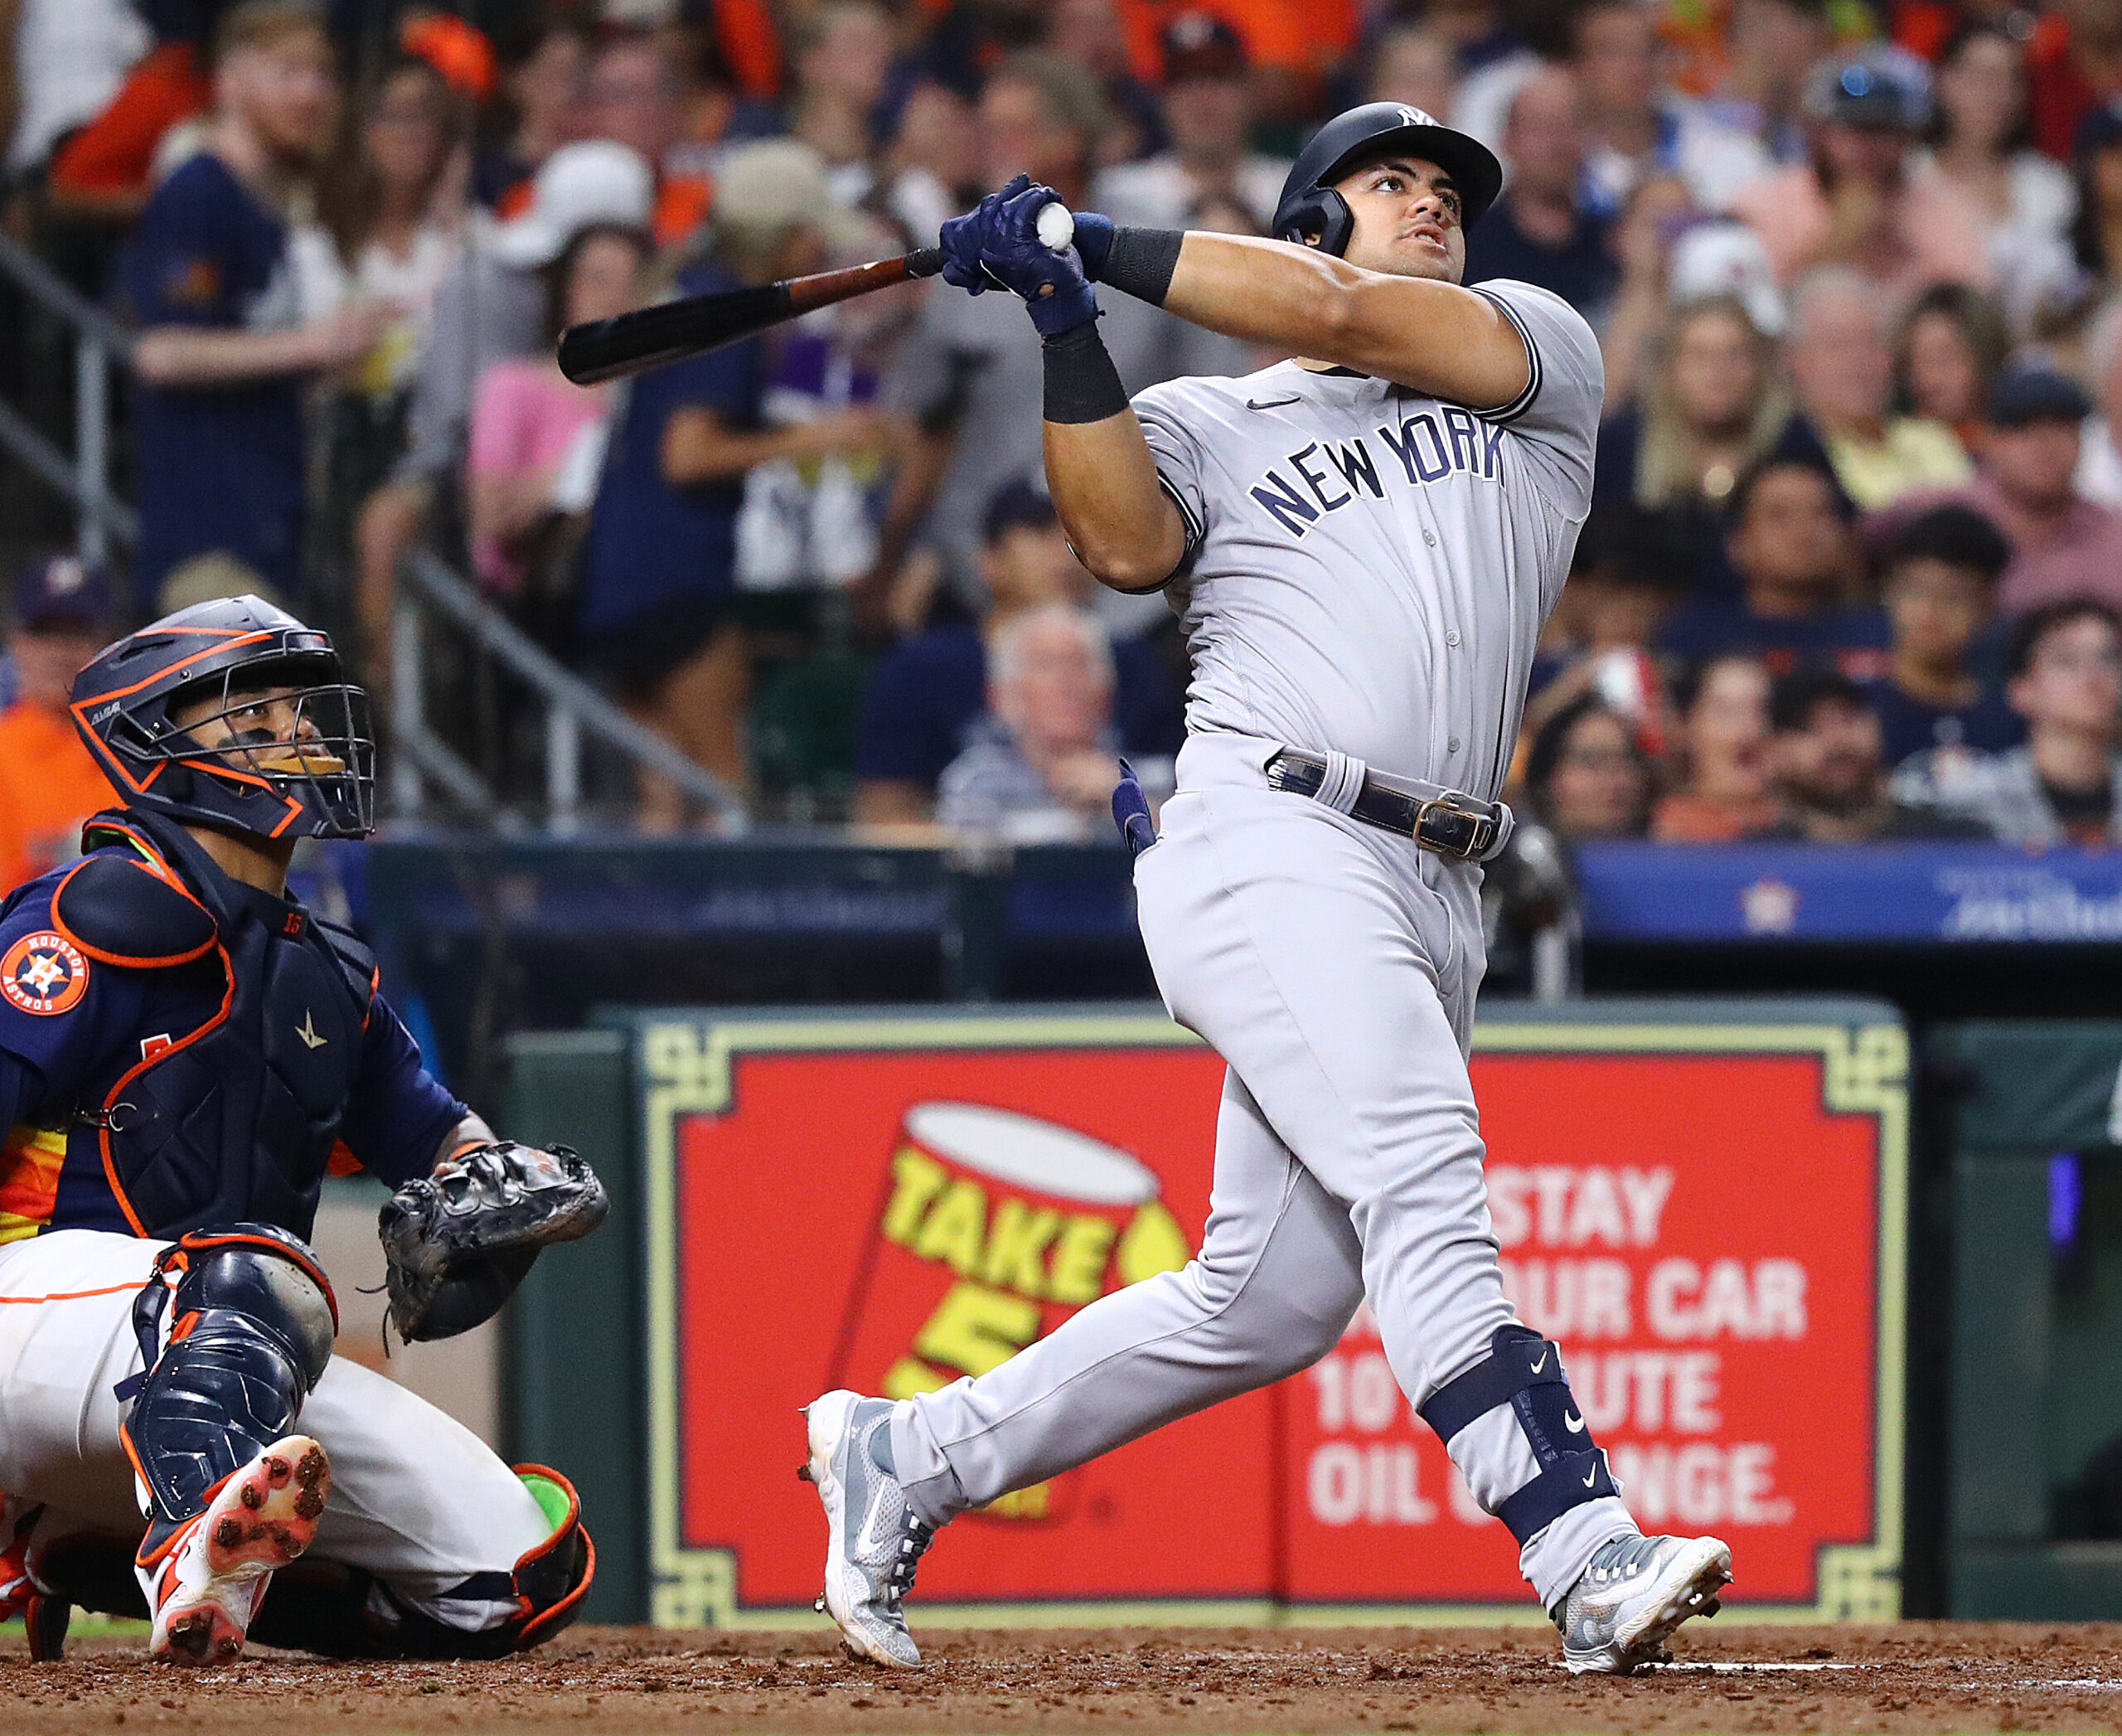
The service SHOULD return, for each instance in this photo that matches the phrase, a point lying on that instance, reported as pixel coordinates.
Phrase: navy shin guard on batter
(253, 1318)
(1524, 1370)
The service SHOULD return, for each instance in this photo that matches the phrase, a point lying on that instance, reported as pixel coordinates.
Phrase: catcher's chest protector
(235, 1119)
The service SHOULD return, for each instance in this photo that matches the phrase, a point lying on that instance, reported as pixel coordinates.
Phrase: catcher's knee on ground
(250, 1325)
(340, 1610)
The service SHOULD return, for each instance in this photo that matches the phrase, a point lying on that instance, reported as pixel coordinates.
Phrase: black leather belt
(1449, 821)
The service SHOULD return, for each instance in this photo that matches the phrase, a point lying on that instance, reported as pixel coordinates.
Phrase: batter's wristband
(1141, 262)
(1082, 384)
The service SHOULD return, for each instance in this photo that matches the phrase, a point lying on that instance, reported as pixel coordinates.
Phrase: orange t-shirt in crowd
(1302, 35)
(744, 31)
(48, 787)
(114, 153)
(1683, 818)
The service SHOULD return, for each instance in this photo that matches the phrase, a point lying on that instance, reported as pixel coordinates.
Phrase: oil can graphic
(993, 1228)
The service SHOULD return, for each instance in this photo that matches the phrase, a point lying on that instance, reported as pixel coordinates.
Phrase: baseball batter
(1364, 546)
(184, 1051)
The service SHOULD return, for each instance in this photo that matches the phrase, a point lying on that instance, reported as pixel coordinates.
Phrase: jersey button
(1453, 637)
(1430, 537)
(1452, 745)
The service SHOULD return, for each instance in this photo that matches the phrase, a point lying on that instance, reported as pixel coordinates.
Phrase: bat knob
(1056, 225)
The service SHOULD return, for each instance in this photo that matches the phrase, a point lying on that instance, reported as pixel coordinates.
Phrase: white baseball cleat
(207, 1580)
(1631, 1596)
(874, 1540)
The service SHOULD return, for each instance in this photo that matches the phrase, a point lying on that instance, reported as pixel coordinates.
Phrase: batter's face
(1408, 213)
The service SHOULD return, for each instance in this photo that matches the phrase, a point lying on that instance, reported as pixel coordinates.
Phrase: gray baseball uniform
(1371, 569)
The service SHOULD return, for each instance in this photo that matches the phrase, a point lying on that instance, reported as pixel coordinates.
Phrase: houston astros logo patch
(43, 973)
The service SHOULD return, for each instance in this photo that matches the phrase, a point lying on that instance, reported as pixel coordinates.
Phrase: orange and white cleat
(204, 1580)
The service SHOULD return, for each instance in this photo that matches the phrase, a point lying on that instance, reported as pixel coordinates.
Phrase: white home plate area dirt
(1914, 1675)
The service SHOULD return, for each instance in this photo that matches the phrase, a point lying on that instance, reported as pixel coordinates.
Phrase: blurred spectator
(63, 61)
(1538, 231)
(492, 307)
(1722, 795)
(1979, 158)
(1207, 109)
(2064, 676)
(925, 692)
(1851, 203)
(1842, 369)
(1634, 129)
(391, 210)
(659, 573)
(212, 578)
(104, 170)
(1711, 410)
(1587, 776)
(1089, 33)
(2096, 233)
(1825, 766)
(1413, 64)
(842, 56)
(1040, 767)
(1771, 45)
(2074, 56)
(932, 166)
(1792, 547)
(63, 615)
(542, 80)
(2062, 545)
(632, 96)
(1951, 347)
(969, 373)
(526, 417)
(2099, 461)
(1647, 242)
(1940, 592)
(223, 348)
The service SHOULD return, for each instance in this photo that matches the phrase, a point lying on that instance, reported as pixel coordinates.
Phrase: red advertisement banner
(1706, 1217)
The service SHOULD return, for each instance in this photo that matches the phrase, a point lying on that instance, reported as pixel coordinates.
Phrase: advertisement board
(1707, 1215)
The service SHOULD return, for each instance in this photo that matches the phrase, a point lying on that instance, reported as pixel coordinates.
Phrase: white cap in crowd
(597, 181)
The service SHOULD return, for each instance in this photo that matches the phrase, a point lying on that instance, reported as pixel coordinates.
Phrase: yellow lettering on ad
(1077, 1273)
(975, 1329)
(1152, 1243)
(1020, 1235)
(910, 1375)
(915, 1180)
(955, 1229)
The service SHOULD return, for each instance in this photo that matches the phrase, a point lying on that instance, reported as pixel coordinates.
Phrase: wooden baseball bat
(654, 337)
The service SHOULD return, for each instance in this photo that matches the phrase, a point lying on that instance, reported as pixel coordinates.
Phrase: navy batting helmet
(1311, 210)
(311, 774)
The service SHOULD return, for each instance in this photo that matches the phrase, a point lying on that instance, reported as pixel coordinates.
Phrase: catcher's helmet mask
(1312, 213)
(311, 776)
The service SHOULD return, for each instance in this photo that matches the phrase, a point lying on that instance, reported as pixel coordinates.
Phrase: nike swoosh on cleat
(1592, 1476)
(1573, 1422)
(1541, 1364)
(1274, 403)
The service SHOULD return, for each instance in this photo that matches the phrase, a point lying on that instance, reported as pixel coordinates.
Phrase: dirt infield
(1914, 1676)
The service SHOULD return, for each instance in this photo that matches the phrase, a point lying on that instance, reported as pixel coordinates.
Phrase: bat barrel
(652, 337)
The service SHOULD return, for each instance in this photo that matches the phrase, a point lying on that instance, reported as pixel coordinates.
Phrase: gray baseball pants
(1334, 967)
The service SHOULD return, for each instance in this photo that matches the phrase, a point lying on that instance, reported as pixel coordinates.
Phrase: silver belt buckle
(1450, 803)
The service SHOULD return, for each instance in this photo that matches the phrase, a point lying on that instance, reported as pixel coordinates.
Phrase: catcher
(185, 1053)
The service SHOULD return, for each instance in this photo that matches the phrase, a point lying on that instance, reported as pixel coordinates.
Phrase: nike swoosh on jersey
(1273, 403)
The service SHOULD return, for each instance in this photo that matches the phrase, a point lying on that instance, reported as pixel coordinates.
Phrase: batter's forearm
(1121, 525)
(1422, 332)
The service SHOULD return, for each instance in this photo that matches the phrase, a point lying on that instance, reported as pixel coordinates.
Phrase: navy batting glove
(1053, 284)
(1130, 811)
(1093, 241)
(962, 238)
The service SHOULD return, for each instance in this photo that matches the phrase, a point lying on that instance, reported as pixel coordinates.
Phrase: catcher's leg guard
(252, 1329)
(328, 1608)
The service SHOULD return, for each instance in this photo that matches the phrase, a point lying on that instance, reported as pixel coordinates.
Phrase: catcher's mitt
(459, 1241)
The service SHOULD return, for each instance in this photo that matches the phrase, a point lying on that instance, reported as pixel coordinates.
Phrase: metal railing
(574, 709)
(427, 588)
(101, 520)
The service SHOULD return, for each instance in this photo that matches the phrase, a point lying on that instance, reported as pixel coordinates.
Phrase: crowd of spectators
(1856, 545)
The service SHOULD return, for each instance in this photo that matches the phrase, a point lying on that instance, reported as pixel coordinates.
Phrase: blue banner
(1908, 892)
